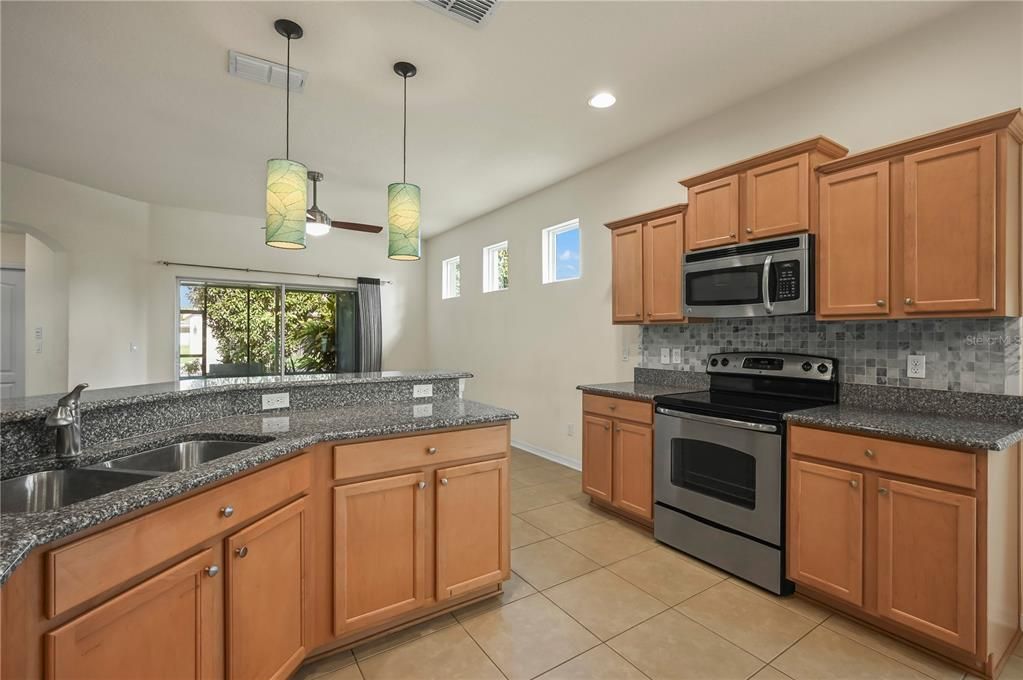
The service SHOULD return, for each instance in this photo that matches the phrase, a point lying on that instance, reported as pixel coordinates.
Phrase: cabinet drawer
(883, 455)
(626, 409)
(91, 566)
(390, 455)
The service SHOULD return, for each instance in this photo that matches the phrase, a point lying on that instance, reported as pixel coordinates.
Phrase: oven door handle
(727, 422)
(765, 285)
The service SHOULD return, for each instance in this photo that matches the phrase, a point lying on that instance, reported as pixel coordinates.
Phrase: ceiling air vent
(473, 12)
(263, 71)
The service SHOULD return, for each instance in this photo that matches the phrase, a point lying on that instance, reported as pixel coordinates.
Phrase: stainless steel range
(719, 460)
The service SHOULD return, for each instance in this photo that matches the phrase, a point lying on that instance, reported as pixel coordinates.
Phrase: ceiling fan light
(317, 222)
(285, 204)
(403, 207)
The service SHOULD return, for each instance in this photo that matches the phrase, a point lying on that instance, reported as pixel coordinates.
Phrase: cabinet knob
(868, 453)
(612, 407)
(749, 230)
(432, 450)
(444, 481)
(909, 301)
(607, 426)
(883, 491)
(242, 551)
(227, 511)
(880, 303)
(212, 570)
(853, 483)
(731, 235)
(421, 485)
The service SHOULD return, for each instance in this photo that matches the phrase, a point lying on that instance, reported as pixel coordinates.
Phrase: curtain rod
(166, 263)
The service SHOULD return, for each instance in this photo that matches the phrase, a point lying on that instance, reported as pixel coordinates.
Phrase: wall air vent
(263, 71)
(472, 12)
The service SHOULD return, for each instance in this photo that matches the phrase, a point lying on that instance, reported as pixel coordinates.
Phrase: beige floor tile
(1019, 648)
(665, 574)
(914, 658)
(523, 459)
(514, 589)
(796, 603)
(347, 673)
(549, 563)
(381, 644)
(538, 496)
(600, 663)
(1013, 669)
(608, 542)
(825, 655)
(538, 473)
(528, 637)
(671, 646)
(524, 533)
(563, 517)
(605, 603)
(324, 666)
(450, 653)
(769, 673)
(756, 624)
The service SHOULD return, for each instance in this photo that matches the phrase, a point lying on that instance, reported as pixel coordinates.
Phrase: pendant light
(317, 222)
(403, 241)
(285, 178)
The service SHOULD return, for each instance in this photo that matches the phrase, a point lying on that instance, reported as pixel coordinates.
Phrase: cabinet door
(473, 543)
(632, 490)
(627, 274)
(662, 268)
(379, 550)
(597, 447)
(927, 561)
(266, 602)
(853, 243)
(169, 627)
(712, 218)
(949, 232)
(777, 198)
(826, 529)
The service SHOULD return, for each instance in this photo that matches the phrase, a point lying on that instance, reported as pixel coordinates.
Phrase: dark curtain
(370, 332)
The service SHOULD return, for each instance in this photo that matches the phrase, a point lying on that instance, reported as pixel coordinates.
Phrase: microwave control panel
(786, 276)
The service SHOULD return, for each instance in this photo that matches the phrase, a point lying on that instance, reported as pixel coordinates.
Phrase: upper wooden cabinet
(646, 261)
(931, 223)
(768, 195)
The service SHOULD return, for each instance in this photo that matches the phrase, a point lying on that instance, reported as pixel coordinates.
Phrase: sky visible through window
(567, 259)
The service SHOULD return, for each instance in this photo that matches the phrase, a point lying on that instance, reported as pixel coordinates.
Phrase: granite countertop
(928, 428)
(36, 406)
(20, 533)
(631, 390)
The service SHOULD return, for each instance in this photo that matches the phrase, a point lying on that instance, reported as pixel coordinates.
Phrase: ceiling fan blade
(357, 226)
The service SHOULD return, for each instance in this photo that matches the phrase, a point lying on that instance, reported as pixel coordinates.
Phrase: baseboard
(549, 455)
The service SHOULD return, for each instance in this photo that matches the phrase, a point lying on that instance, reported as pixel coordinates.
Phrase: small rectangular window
(495, 267)
(562, 259)
(451, 278)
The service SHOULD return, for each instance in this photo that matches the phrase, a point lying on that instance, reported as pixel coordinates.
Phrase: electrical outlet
(570, 430)
(676, 355)
(916, 366)
(422, 410)
(276, 424)
(420, 391)
(276, 400)
(625, 352)
(665, 355)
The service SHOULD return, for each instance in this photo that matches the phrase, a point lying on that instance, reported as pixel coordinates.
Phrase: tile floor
(593, 598)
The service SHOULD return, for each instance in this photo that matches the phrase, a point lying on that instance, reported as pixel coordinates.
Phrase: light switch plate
(916, 366)
(419, 391)
(276, 400)
(665, 355)
(676, 355)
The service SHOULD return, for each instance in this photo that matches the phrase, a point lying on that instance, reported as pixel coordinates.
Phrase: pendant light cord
(287, 106)
(404, 126)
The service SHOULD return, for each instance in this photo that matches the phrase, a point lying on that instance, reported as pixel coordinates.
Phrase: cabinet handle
(731, 235)
(868, 453)
(444, 481)
(242, 551)
(421, 485)
(607, 426)
(432, 450)
(212, 570)
(749, 230)
(853, 483)
(909, 301)
(227, 511)
(880, 303)
(883, 491)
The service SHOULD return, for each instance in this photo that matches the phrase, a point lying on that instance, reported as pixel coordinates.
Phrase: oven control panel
(803, 366)
(786, 276)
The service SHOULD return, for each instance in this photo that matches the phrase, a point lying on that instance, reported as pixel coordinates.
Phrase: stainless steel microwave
(773, 277)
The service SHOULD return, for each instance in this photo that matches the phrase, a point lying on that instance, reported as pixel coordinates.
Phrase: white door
(12, 333)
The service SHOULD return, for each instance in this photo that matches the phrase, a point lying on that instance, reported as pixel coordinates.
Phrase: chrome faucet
(67, 418)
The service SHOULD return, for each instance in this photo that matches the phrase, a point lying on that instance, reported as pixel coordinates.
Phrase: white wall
(46, 309)
(531, 345)
(117, 297)
(12, 250)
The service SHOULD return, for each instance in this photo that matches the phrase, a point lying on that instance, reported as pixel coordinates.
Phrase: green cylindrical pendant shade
(285, 203)
(402, 221)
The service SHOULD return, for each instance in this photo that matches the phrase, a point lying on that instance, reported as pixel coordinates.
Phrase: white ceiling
(134, 98)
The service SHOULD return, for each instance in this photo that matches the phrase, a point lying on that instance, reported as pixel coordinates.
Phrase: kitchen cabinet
(266, 599)
(940, 234)
(473, 524)
(917, 540)
(164, 628)
(618, 455)
(766, 196)
(379, 550)
(646, 261)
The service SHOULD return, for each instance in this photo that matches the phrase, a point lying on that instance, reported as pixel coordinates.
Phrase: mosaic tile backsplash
(963, 355)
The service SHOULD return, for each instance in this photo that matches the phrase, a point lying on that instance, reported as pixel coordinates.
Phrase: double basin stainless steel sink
(53, 489)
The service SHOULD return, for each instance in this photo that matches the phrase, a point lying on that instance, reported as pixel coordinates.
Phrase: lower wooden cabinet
(266, 598)
(165, 628)
(633, 490)
(598, 445)
(618, 454)
(379, 550)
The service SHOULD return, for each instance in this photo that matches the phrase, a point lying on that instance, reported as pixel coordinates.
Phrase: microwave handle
(765, 285)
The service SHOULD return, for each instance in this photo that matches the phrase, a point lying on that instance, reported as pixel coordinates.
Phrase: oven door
(720, 470)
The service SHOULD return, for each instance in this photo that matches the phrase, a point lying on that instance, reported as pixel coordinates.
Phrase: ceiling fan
(319, 223)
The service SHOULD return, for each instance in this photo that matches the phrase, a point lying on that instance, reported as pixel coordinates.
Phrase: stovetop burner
(737, 404)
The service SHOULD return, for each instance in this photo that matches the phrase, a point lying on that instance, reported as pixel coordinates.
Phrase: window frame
(446, 281)
(490, 269)
(549, 252)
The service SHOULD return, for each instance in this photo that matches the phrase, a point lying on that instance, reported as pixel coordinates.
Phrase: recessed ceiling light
(602, 100)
